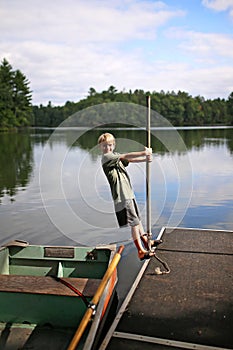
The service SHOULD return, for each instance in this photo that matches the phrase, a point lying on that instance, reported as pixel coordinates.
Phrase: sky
(65, 47)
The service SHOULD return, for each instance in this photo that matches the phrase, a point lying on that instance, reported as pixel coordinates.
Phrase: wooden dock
(189, 308)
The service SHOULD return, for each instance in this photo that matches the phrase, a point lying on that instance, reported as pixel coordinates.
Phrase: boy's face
(107, 147)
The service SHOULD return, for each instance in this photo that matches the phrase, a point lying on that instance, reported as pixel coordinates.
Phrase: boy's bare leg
(144, 237)
(135, 231)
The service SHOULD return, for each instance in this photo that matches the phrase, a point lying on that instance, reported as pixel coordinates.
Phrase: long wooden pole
(148, 175)
(87, 316)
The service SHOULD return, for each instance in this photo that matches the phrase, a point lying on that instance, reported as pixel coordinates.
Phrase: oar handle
(83, 324)
(107, 275)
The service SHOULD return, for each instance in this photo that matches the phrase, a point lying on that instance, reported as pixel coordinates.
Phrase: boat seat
(47, 285)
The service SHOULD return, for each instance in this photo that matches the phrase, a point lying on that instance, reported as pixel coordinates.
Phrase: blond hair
(106, 137)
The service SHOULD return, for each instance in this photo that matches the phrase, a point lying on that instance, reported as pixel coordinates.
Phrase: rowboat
(46, 291)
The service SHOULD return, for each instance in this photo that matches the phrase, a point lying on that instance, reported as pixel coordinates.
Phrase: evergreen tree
(15, 97)
(22, 99)
(6, 94)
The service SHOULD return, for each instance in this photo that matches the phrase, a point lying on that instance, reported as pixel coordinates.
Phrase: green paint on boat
(30, 293)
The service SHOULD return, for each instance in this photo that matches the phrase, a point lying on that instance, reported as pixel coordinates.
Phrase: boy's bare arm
(141, 156)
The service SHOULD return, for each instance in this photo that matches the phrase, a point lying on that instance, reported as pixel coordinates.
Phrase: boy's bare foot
(144, 256)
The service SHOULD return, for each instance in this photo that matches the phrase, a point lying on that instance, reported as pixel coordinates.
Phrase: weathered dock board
(189, 308)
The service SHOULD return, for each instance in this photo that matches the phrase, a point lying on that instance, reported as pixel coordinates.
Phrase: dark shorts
(127, 213)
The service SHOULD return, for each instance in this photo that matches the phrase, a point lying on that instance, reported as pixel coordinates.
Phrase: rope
(167, 268)
(165, 265)
(75, 290)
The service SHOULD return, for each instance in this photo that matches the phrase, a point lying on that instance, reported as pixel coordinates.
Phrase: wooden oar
(86, 318)
(148, 177)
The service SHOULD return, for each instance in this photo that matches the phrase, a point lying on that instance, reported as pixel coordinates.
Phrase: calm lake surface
(53, 190)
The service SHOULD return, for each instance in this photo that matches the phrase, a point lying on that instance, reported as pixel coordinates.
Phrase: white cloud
(66, 47)
(81, 21)
(209, 62)
(212, 45)
(219, 5)
(207, 82)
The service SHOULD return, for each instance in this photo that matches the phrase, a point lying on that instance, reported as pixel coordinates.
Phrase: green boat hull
(32, 294)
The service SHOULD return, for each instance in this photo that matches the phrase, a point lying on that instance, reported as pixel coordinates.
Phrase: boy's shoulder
(110, 158)
(111, 155)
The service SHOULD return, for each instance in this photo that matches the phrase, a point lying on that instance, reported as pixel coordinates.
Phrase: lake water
(53, 190)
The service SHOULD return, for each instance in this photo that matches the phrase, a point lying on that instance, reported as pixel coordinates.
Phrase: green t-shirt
(117, 176)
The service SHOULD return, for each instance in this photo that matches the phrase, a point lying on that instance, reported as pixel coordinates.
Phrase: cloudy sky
(64, 47)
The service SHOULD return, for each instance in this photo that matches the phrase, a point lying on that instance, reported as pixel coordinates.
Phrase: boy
(122, 193)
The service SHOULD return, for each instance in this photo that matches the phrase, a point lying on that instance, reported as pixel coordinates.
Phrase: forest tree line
(180, 109)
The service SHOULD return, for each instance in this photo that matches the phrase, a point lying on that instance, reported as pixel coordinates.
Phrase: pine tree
(15, 97)
(6, 94)
(21, 99)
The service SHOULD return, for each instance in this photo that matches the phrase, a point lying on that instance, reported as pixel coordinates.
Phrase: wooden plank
(14, 337)
(47, 285)
(23, 336)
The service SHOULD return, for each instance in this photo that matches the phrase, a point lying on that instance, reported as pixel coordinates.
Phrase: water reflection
(211, 205)
(16, 163)
(198, 138)
(193, 138)
(209, 150)
(17, 160)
